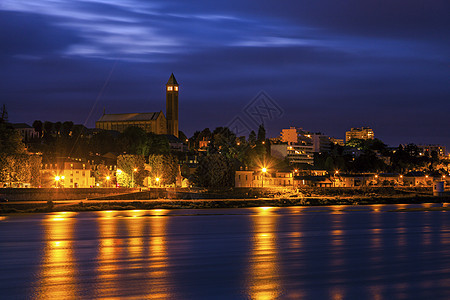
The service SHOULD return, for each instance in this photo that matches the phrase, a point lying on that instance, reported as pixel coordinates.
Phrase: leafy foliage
(127, 164)
(215, 171)
(164, 167)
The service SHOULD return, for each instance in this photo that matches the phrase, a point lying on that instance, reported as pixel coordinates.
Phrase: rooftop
(20, 125)
(172, 80)
(129, 117)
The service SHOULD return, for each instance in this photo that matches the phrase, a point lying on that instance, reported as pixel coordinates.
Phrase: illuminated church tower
(172, 106)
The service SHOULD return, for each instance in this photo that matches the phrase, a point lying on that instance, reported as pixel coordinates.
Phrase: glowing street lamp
(107, 181)
(57, 179)
(264, 171)
(157, 180)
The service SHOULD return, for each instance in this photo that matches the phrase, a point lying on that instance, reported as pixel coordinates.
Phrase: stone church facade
(154, 122)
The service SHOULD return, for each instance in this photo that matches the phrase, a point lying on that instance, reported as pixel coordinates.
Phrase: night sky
(327, 65)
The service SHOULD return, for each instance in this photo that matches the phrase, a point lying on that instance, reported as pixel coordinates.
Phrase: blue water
(339, 252)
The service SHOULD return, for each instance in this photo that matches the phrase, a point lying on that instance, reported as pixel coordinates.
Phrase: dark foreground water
(359, 252)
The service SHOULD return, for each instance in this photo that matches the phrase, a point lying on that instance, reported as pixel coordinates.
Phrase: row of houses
(321, 178)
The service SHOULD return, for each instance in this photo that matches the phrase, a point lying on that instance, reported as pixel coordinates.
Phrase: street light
(57, 179)
(157, 180)
(107, 181)
(264, 171)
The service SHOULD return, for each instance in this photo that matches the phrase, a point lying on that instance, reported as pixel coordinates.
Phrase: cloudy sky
(325, 65)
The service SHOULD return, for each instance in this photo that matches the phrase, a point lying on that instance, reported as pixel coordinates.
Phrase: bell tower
(172, 106)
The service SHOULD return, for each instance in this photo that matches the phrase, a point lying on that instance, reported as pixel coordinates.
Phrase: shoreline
(101, 205)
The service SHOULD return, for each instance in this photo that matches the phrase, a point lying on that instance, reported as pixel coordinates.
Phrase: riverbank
(98, 205)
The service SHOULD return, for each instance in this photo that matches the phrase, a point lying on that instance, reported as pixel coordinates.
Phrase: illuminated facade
(68, 173)
(295, 153)
(363, 133)
(150, 122)
(255, 178)
(297, 136)
(154, 122)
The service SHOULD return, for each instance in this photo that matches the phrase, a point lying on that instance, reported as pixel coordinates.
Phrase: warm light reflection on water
(158, 261)
(107, 254)
(337, 293)
(337, 241)
(144, 248)
(57, 272)
(288, 253)
(264, 276)
(135, 241)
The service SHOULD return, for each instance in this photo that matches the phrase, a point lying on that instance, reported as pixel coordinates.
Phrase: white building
(295, 153)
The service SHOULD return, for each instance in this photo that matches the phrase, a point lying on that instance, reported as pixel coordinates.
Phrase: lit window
(176, 88)
(169, 88)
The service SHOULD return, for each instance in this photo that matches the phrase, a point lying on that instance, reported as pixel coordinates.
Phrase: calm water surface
(342, 252)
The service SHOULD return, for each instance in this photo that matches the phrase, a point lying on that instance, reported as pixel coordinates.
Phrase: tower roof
(172, 80)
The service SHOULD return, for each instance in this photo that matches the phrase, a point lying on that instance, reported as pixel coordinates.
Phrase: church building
(154, 122)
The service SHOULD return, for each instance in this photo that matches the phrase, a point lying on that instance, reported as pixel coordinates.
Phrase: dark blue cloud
(330, 65)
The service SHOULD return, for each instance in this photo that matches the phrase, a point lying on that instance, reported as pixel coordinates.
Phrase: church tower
(172, 106)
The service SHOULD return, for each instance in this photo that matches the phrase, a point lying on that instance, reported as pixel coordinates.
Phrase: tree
(66, 128)
(103, 142)
(215, 171)
(101, 175)
(38, 126)
(35, 168)
(164, 167)
(48, 126)
(57, 126)
(134, 141)
(127, 164)
(157, 144)
(261, 133)
(10, 140)
(4, 115)
(224, 139)
(252, 138)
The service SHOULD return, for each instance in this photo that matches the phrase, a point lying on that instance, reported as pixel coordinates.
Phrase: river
(333, 252)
